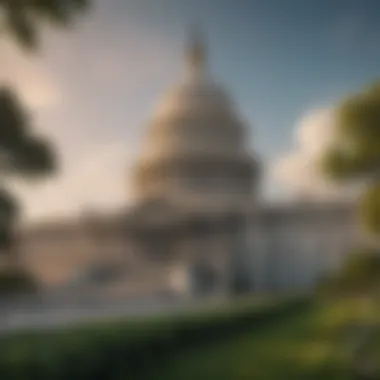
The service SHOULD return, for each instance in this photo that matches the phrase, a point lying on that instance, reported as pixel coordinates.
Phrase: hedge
(15, 281)
(126, 350)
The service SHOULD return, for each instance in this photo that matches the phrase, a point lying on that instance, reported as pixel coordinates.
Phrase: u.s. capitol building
(196, 225)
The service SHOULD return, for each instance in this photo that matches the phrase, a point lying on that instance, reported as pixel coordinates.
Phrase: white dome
(195, 140)
(195, 92)
(194, 95)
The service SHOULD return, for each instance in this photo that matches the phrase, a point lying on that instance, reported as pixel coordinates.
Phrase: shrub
(16, 281)
(241, 285)
(126, 350)
(360, 274)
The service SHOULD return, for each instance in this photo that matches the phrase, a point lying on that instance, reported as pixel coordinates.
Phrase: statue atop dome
(195, 53)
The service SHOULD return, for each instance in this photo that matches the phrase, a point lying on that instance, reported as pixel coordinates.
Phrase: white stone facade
(286, 248)
(195, 185)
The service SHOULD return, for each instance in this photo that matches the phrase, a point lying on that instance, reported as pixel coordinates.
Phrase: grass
(127, 349)
(310, 345)
(249, 340)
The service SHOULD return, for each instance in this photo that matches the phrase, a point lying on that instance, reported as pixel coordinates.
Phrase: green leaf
(34, 158)
(13, 119)
(355, 155)
(370, 208)
(21, 154)
(24, 19)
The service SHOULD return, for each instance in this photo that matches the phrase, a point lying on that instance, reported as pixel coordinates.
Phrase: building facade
(196, 226)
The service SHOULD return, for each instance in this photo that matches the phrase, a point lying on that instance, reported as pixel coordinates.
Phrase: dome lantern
(195, 54)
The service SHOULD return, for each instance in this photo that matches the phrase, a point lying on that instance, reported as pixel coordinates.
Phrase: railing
(49, 310)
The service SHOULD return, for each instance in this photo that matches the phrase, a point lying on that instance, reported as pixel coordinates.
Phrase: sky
(91, 89)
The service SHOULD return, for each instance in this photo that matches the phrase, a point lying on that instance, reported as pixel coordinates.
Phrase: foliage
(129, 350)
(369, 208)
(355, 155)
(24, 19)
(16, 281)
(309, 344)
(8, 216)
(360, 274)
(362, 271)
(23, 155)
(305, 340)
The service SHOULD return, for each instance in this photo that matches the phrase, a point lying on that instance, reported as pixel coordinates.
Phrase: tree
(355, 156)
(23, 19)
(359, 275)
(361, 272)
(23, 155)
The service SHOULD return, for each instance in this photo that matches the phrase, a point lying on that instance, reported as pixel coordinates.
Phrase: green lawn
(287, 339)
(122, 349)
(314, 344)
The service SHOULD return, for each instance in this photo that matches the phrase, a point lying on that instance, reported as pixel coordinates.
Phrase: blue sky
(92, 89)
(278, 58)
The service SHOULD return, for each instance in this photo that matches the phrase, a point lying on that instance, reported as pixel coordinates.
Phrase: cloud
(315, 131)
(298, 172)
(89, 90)
(98, 179)
(30, 76)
